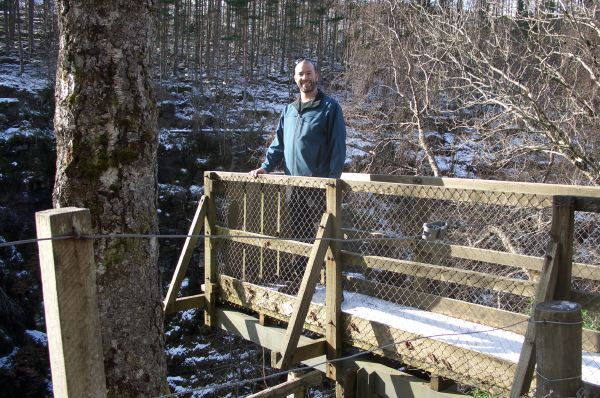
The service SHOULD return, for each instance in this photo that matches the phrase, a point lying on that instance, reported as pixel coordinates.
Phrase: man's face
(306, 77)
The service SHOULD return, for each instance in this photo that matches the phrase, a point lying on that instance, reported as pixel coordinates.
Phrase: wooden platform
(460, 350)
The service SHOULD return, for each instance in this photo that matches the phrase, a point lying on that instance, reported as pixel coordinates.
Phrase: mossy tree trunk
(106, 135)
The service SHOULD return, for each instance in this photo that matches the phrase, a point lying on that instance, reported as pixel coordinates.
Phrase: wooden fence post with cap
(68, 276)
(558, 348)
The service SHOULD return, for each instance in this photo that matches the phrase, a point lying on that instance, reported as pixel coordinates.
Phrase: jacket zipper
(298, 122)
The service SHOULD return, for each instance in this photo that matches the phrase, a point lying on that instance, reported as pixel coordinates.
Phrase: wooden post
(210, 255)
(562, 232)
(333, 278)
(558, 348)
(68, 276)
(545, 292)
(347, 389)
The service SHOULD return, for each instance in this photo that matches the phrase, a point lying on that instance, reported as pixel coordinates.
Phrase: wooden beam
(306, 291)
(333, 278)
(304, 351)
(465, 183)
(561, 231)
(466, 195)
(185, 303)
(265, 241)
(273, 179)
(299, 382)
(68, 275)
(186, 254)
(210, 250)
(546, 290)
(441, 273)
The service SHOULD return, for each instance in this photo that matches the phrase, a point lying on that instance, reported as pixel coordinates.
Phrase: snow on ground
(39, 337)
(469, 335)
(6, 362)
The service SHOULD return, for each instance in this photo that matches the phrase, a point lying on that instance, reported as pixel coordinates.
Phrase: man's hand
(255, 173)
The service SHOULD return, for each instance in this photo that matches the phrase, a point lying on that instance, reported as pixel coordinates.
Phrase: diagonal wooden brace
(307, 289)
(545, 292)
(186, 255)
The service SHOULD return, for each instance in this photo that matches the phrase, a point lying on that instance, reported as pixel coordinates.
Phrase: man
(311, 141)
(311, 134)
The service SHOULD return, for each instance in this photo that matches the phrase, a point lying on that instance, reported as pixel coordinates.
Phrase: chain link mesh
(426, 260)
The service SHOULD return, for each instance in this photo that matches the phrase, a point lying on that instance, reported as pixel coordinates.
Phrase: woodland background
(479, 89)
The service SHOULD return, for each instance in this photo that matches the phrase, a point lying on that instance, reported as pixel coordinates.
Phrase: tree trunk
(30, 29)
(106, 135)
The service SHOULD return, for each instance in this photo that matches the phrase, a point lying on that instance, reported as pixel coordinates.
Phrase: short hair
(304, 59)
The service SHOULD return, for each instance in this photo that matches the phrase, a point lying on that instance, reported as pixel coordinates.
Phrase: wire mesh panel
(446, 262)
(441, 278)
(586, 285)
(280, 222)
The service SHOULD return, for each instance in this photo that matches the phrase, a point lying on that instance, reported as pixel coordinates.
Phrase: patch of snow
(196, 190)
(38, 337)
(469, 335)
(9, 100)
(177, 351)
(188, 315)
(6, 362)
(201, 346)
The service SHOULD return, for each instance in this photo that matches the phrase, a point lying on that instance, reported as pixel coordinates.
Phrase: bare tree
(523, 85)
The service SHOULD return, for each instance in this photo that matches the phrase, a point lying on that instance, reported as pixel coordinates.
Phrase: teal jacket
(311, 142)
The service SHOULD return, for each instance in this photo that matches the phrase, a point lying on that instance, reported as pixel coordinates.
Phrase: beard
(308, 86)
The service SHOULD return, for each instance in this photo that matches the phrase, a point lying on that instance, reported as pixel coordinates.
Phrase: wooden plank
(445, 250)
(186, 254)
(270, 242)
(306, 291)
(305, 351)
(507, 186)
(68, 275)
(273, 179)
(480, 196)
(299, 382)
(444, 274)
(546, 290)
(185, 303)
(533, 263)
(272, 303)
(210, 251)
(333, 278)
(561, 232)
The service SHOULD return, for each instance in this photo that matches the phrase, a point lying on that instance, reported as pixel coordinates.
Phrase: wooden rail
(434, 261)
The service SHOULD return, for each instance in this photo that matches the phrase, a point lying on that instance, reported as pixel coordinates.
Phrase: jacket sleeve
(275, 152)
(337, 143)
